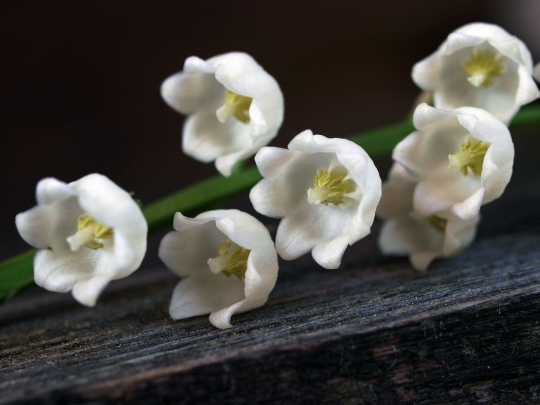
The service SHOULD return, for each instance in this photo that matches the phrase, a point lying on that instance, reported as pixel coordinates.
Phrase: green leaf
(196, 198)
(16, 274)
(139, 203)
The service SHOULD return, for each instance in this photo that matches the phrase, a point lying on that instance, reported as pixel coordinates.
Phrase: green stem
(17, 273)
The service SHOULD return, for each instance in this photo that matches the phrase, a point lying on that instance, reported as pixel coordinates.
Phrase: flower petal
(188, 250)
(59, 271)
(33, 226)
(87, 291)
(183, 252)
(421, 260)
(49, 225)
(222, 319)
(187, 93)
(55, 220)
(537, 72)
(200, 90)
(329, 254)
(50, 190)
(326, 228)
(199, 295)
(439, 193)
(443, 72)
(423, 238)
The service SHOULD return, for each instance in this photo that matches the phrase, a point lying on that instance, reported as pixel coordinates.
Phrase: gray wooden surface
(467, 331)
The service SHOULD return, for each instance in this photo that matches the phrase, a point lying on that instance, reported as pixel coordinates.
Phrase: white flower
(479, 65)
(235, 107)
(463, 159)
(326, 191)
(229, 262)
(90, 232)
(537, 72)
(422, 238)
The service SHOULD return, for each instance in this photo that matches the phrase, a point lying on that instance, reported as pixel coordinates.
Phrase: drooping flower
(235, 107)
(537, 72)
(423, 239)
(326, 190)
(229, 263)
(89, 232)
(479, 65)
(463, 159)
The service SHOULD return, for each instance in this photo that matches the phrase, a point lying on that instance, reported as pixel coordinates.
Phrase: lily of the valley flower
(462, 157)
(229, 262)
(89, 232)
(326, 190)
(479, 65)
(235, 107)
(424, 239)
(537, 72)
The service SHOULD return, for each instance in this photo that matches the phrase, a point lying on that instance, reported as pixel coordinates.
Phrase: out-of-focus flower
(537, 72)
(235, 107)
(229, 262)
(463, 159)
(440, 235)
(479, 65)
(326, 190)
(89, 232)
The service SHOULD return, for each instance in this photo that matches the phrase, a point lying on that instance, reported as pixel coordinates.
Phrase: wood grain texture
(467, 331)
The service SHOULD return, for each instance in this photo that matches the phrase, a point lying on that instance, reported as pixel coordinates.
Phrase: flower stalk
(16, 273)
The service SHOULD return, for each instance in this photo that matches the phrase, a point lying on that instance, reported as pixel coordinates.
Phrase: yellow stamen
(236, 106)
(483, 68)
(231, 261)
(470, 157)
(437, 222)
(329, 188)
(88, 231)
(434, 221)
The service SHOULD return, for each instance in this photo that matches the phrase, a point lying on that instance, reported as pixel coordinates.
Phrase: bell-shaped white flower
(462, 157)
(229, 263)
(89, 232)
(537, 72)
(423, 239)
(479, 65)
(326, 190)
(235, 107)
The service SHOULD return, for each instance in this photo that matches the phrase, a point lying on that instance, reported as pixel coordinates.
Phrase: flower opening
(329, 188)
(231, 261)
(65, 220)
(341, 172)
(422, 237)
(247, 252)
(483, 68)
(236, 106)
(437, 222)
(469, 157)
(90, 233)
(493, 71)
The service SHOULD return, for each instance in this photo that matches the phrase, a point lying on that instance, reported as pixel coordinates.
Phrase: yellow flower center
(436, 222)
(483, 68)
(90, 233)
(231, 260)
(470, 157)
(329, 188)
(236, 106)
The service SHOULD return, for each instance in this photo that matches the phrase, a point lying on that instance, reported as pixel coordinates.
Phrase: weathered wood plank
(375, 331)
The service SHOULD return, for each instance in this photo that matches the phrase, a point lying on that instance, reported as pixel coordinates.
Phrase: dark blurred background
(79, 80)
